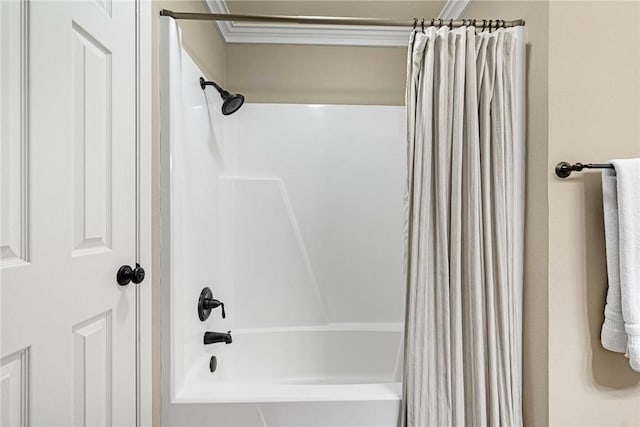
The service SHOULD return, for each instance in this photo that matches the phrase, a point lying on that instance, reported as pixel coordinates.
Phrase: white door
(68, 213)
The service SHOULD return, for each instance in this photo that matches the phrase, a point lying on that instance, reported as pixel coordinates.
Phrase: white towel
(613, 336)
(621, 197)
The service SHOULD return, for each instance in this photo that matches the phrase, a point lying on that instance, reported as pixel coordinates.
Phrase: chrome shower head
(231, 102)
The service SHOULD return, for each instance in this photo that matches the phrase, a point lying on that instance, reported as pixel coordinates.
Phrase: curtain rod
(340, 20)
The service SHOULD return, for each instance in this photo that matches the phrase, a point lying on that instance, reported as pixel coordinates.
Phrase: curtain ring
(415, 23)
(484, 24)
(432, 22)
(474, 22)
(439, 23)
(451, 24)
(422, 25)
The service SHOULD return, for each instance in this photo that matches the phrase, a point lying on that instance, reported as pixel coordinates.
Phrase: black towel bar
(564, 169)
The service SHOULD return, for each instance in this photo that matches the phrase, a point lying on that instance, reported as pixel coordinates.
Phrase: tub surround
(293, 216)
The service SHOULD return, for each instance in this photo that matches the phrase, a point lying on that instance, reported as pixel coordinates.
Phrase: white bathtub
(340, 362)
(331, 376)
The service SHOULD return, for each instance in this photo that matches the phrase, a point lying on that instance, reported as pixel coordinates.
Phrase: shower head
(232, 104)
(231, 101)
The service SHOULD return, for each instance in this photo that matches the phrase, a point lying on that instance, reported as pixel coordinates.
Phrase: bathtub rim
(200, 391)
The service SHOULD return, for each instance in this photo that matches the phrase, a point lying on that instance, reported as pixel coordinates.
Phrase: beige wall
(206, 46)
(594, 111)
(317, 74)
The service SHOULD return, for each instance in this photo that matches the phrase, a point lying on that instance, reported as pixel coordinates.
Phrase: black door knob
(127, 274)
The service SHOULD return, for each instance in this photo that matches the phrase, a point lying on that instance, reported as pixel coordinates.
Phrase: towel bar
(564, 169)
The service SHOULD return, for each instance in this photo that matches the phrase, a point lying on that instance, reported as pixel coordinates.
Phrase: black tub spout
(214, 337)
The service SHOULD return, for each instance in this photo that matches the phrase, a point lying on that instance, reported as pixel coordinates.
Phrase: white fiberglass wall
(316, 211)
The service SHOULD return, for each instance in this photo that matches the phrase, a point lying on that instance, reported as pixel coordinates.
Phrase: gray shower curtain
(465, 213)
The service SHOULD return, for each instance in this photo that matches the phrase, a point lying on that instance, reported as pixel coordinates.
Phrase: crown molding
(220, 6)
(336, 35)
(454, 9)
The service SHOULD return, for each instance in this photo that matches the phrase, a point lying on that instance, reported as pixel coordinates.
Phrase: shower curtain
(464, 229)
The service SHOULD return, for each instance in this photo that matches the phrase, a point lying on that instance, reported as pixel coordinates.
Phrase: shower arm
(204, 83)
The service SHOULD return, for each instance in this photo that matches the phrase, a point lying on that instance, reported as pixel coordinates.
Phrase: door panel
(13, 134)
(62, 310)
(14, 389)
(92, 167)
(92, 352)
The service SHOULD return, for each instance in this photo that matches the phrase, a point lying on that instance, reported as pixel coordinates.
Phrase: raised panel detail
(92, 96)
(92, 370)
(13, 133)
(14, 383)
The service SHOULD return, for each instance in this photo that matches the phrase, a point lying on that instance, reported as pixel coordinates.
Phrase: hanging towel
(621, 197)
(613, 336)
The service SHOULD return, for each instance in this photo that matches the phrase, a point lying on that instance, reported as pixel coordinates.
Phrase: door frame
(143, 212)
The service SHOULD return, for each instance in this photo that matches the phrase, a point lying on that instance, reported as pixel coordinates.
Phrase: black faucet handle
(214, 303)
(206, 303)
